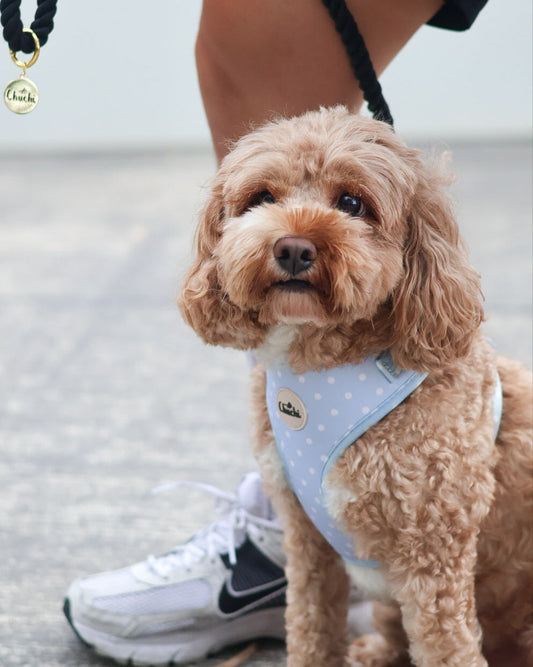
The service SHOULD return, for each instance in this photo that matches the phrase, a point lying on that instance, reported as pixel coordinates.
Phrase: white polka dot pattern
(341, 404)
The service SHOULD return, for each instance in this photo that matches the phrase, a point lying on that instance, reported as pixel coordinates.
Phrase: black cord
(359, 59)
(345, 24)
(42, 25)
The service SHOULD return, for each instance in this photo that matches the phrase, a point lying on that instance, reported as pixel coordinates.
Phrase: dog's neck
(308, 347)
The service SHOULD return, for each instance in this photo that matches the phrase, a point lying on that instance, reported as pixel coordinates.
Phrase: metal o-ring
(35, 55)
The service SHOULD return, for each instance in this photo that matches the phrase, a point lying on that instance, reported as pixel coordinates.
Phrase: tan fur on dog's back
(504, 579)
(445, 509)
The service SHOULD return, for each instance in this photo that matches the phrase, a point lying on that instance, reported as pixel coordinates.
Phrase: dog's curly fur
(427, 492)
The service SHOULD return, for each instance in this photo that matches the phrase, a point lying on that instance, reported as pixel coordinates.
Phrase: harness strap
(497, 407)
(317, 415)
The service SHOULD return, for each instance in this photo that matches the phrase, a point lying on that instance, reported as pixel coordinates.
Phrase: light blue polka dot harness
(316, 416)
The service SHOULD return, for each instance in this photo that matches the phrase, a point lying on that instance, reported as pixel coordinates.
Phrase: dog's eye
(263, 197)
(351, 204)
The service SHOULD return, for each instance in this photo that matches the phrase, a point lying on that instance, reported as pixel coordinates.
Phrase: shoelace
(217, 538)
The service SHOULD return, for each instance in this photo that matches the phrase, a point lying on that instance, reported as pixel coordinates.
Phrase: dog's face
(310, 236)
(329, 223)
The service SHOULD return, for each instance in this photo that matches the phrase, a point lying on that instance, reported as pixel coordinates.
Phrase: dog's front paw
(374, 651)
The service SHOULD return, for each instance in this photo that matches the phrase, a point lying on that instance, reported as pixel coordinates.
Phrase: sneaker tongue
(252, 497)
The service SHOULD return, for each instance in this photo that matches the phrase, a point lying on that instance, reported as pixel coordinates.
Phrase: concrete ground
(105, 393)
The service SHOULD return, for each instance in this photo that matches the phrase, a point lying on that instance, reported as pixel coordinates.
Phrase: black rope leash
(42, 25)
(29, 41)
(22, 95)
(360, 59)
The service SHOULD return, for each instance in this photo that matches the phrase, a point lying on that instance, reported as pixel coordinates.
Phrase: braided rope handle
(359, 59)
(42, 25)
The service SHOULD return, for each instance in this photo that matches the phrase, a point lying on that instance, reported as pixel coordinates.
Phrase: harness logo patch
(291, 409)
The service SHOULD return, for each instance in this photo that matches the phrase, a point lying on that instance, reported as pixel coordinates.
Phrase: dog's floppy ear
(437, 306)
(202, 300)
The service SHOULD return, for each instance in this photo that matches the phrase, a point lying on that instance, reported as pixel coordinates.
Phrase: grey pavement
(105, 393)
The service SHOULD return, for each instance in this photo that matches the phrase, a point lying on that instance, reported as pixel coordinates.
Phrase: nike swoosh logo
(231, 602)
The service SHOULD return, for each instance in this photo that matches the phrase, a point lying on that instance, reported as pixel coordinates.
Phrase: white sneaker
(225, 586)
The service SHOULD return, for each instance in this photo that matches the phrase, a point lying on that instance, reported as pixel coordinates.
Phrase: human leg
(258, 59)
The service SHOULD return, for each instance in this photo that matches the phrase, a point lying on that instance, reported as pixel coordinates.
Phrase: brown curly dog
(325, 242)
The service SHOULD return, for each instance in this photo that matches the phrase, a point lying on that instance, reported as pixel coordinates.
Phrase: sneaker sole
(177, 648)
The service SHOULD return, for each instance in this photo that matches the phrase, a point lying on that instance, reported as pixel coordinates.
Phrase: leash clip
(22, 95)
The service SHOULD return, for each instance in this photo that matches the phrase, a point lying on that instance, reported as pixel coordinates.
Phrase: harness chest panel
(317, 415)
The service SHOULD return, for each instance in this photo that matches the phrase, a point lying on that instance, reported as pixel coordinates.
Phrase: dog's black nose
(294, 254)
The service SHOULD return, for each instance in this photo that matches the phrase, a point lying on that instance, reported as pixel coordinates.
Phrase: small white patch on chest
(370, 581)
(275, 349)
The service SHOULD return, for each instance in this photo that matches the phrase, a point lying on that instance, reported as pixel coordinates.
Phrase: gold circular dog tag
(21, 95)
